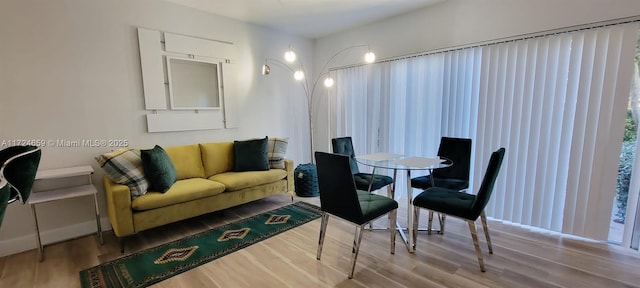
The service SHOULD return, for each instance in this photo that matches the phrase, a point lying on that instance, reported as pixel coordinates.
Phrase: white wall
(460, 22)
(70, 70)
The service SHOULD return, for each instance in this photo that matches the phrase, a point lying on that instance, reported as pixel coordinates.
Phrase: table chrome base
(405, 238)
(403, 235)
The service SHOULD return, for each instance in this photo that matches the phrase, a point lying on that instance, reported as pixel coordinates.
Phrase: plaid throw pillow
(277, 148)
(124, 166)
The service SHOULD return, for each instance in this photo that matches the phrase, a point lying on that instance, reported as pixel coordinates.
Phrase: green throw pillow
(158, 169)
(251, 155)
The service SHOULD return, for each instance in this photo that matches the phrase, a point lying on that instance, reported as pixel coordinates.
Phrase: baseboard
(28, 242)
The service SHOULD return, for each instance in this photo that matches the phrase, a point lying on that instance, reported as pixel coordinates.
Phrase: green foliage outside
(627, 155)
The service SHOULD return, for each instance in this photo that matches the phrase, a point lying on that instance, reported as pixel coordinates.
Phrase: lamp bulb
(369, 57)
(290, 56)
(298, 75)
(328, 82)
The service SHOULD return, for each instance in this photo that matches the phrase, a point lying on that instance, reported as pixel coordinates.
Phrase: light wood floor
(521, 258)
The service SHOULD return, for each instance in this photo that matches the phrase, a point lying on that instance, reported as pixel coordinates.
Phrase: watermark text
(65, 143)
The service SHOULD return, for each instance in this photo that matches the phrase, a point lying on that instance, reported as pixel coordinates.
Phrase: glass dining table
(397, 162)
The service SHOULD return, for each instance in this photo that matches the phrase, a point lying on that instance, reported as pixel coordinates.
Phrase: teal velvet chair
(455, 177)
(17, 174)
(4, 197)
(339, 197)
(344, 146)
(462, 205)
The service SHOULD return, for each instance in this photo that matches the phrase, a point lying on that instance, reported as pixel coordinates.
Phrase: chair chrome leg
(392, 227)
(476, 244)
(356, 248)
(416, 218)
(483, 217)
(430, 224)
(323, 231)
(442, 218)
(393, 185)
(390, 195)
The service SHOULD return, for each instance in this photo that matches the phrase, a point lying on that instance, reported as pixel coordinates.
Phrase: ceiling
(308, 18)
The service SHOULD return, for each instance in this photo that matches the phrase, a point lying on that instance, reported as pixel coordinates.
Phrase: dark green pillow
(251, 155)
(158, 168)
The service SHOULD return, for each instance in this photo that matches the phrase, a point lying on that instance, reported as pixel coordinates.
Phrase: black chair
(459, 204)
(5, 191)
(17, 173)
(364, 181)
(455, 177)
(339, 197)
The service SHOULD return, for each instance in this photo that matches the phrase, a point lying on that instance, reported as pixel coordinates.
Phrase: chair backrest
(5, 190)
(486, 188)
(19, 167)
(338, 194)
(344, 146)
(457, 150)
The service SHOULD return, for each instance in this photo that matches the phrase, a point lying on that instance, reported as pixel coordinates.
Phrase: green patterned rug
(156, 264)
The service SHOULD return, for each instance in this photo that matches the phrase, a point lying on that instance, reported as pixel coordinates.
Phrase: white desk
(64, 193)
(397, 162)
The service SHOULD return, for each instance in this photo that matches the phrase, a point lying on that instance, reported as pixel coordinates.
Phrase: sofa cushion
(181, 191)
(251, 155)
(158, 169)
(239, 180)
(124, 166)
(276, 151)
(187, 161)
(217, 157)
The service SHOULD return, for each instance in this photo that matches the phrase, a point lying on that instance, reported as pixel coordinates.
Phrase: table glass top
(400, 162)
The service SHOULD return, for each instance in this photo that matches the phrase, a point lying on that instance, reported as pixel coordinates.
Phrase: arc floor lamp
(294, 65)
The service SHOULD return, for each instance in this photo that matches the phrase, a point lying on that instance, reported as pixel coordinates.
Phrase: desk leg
(39, 242)
(98, 225)
(412, 243)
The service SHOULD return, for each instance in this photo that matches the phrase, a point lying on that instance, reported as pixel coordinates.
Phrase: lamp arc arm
(304, 84)
(315, 83)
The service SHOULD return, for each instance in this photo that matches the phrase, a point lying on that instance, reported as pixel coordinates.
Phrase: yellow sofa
(206, 183)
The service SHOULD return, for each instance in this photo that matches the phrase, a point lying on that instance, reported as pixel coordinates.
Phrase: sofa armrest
(119, 207)
(288, 166)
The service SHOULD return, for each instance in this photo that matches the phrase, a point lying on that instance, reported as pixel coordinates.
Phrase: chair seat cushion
(364, 179)
(424, 182)
(447, 201)
(240, 180)
(374, 206)
(181, 191)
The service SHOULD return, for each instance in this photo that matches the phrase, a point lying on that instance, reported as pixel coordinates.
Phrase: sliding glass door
(625, 224)
(556, 103)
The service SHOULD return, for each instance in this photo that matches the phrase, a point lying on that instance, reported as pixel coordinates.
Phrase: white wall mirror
(193, 84)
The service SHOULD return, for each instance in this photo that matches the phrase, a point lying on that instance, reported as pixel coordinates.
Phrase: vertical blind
(557, 103)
